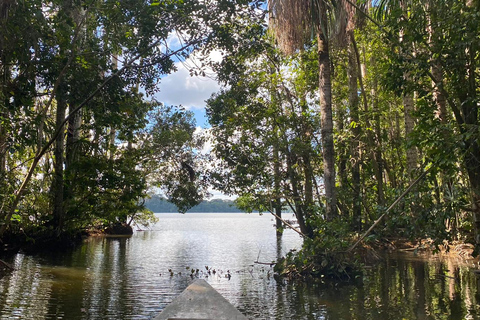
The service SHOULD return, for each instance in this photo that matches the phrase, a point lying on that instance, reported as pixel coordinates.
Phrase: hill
(160, 204)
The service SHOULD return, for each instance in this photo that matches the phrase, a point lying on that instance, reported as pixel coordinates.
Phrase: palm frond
(292, 22)
(383, 7)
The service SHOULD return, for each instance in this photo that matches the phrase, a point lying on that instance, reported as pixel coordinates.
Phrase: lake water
(129, 277)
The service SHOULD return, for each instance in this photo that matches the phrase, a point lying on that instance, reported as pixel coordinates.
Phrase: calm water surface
(129, 278)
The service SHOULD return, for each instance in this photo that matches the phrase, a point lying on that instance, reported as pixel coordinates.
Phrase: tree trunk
(73, 137)
(308, 185)
(3, 172)
(472, 150)
(305, 154)
(300, 212)
(409, 108)
(277, 181)
(353, 75)
(3, 152)
(341, 152)
(4, 193)
(325, 88)
(378, 146)
(476, 219)
(472, 164)
(469, 97)
(59, 161)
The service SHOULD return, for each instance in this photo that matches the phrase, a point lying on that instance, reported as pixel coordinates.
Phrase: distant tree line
(160, 204)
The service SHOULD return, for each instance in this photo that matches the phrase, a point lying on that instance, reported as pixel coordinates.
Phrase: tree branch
(389, 208)
(289, 225)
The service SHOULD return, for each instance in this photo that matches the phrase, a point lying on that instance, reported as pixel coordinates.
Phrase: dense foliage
(81, 138)
(404, 88)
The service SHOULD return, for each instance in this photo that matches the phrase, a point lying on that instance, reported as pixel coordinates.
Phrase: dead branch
(7, 265)
(288, 225)
(389, 208)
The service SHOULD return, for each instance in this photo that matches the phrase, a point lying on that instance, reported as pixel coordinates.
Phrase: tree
(292, 24)
(264, 125)
(444, 56)
(72, 78)
(173, 157)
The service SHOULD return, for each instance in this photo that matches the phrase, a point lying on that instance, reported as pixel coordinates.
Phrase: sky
(179, 88)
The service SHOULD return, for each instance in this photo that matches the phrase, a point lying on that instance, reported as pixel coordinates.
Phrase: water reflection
(128, 278)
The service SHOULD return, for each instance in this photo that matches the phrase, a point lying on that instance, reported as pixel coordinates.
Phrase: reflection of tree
(420, 311)
(23, 292)
(108, 282)
(114, 278)
(415, 289)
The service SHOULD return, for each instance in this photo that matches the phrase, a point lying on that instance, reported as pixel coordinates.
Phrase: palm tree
(293, 23)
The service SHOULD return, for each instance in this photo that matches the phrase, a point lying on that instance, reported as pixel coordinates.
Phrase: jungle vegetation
(331, 108)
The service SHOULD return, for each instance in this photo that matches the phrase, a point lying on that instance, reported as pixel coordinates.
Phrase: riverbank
(34, 241)
(314, 264)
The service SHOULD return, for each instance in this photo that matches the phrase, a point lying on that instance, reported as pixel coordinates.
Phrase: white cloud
(180, 88)
(219, 195)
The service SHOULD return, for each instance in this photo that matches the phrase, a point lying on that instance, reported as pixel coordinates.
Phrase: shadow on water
(128, 278)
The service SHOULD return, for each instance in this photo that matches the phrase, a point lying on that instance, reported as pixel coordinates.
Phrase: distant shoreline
(160, 204)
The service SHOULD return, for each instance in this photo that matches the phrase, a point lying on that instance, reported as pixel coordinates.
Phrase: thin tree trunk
(305, 138)
(353, 75)
(409, 108)
(277, 181)
(59, 161)
(342, 162)
(3, 151)
(325, 88)
(3, 172)
(308, 185)
(472, 148)
(471, 119)
(5, 74)
(439, 97)
(472, 164)
(73, 137)
(113, 131)
(299, 206)
(378, 146)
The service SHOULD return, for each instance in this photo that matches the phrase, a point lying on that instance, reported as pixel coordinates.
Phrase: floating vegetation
(210, 273)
